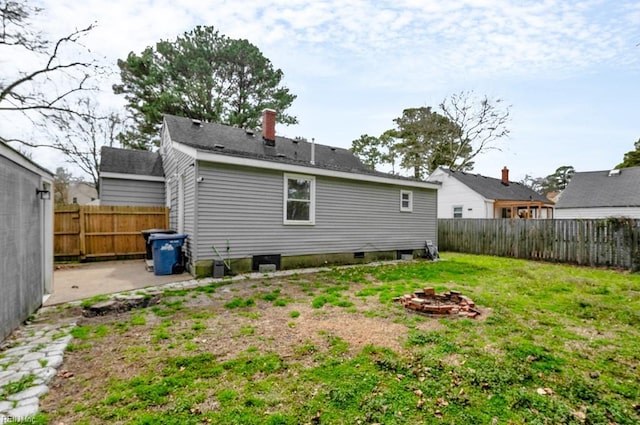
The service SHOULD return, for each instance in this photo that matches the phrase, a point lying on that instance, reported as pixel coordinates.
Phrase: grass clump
(239, 302)
(89, 332)
(17, 386)
(138, 320)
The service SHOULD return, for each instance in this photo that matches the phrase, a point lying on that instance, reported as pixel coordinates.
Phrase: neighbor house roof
(227, 140)
(491, 188)
(616, 188)
(129, 161)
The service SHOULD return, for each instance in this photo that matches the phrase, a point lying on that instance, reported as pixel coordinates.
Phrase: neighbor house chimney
(269, 126)
(505, 176)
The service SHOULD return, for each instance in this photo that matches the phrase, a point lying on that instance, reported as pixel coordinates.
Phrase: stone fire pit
(450, 303)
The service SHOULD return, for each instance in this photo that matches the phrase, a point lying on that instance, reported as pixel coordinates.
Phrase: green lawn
(556, 345)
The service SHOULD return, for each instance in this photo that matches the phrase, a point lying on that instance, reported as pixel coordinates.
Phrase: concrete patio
(79, 281)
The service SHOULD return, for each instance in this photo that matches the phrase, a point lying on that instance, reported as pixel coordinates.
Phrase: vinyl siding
(177, 164)
(242, 208)
(131, 192)
(631, 212)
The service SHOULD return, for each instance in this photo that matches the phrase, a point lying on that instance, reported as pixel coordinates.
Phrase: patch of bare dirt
(204, 325)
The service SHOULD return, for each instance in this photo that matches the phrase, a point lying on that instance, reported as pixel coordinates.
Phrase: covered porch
(523, 209)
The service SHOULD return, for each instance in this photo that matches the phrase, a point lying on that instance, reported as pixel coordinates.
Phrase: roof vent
(614, 173)
(219, 146)
(333, 149)
(196, 122)
(249, 131)
(281, 155)
(296, 141)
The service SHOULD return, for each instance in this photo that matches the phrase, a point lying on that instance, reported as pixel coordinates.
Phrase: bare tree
(481, 122)
(81, 136)
(46, 89)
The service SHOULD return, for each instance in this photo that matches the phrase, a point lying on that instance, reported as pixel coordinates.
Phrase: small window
(406, 200)
(457, 212)
(75, 200)
(299, 199)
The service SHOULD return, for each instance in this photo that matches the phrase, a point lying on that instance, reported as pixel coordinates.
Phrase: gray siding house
(250, 199)
(26, 235)
(601, 194)
(131, 177)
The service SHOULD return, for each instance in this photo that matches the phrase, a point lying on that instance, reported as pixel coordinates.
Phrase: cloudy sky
(570, 69)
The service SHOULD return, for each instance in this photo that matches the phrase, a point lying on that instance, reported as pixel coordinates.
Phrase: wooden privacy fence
(612, 242)
(94, 232)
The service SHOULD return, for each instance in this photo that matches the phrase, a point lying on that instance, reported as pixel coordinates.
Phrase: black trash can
(149, 232)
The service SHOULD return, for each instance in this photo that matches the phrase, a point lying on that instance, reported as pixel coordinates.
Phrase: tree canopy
(560, 178)
(554, 182)
(427, 140)
(631, 158)
(423, 139)
(202, 75)
(374, 151)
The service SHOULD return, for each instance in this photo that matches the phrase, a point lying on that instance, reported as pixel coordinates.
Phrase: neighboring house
(80, 193)
(466, 195)
(600, 194)
(26, 237)
(260, 199)
(131, 177)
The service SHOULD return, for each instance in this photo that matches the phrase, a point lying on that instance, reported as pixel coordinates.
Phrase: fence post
(114, 222)
(83, 246)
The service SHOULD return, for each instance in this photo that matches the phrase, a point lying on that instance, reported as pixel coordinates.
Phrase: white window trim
(453, 211)
(410, 207)
(312, 203)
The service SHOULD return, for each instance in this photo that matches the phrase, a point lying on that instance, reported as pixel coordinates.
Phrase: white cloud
(392, 51)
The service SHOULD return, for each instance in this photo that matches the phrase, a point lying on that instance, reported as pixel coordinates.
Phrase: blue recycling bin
(167, 253)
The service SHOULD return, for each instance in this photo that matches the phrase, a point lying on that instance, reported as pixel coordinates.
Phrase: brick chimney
(505, 176)
(269, 127)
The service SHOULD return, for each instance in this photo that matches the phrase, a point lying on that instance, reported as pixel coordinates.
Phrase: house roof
(491, 188)
(227, 140)
(129, 161)
(600, 189)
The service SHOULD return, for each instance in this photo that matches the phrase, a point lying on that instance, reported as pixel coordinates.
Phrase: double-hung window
(406, 201)
(299, 199)
(457, 212)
